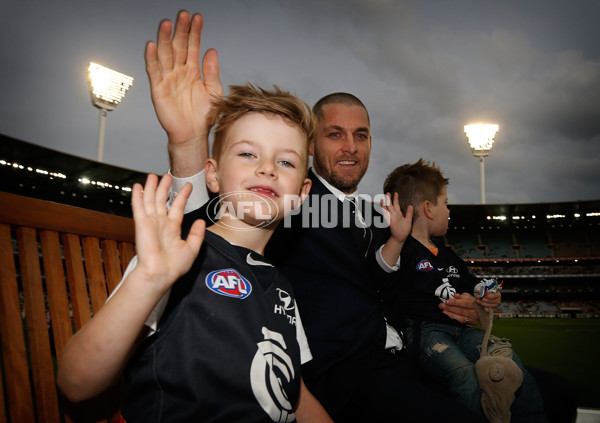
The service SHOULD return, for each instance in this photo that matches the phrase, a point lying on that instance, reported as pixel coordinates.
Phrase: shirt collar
(339, 194)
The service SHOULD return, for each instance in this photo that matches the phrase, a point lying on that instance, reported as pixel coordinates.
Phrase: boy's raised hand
(94, 357)
(180, 94)
(162, 255)
(400, 225)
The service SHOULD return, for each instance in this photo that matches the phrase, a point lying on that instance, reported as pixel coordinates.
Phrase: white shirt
(199, 195)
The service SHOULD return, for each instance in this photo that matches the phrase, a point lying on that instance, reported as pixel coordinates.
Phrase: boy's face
(440, 215)
(263, 159)
(342, 146)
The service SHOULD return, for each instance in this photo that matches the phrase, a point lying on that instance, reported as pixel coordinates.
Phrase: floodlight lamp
(107, 87)
(481, 138)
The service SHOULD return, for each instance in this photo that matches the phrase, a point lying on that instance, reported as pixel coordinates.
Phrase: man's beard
(346, 184)
(343, 184)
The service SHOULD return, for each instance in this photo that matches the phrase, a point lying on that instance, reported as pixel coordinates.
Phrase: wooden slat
(37, 327)
(80, 300)
(94, 271)
(56, 286)
(18, 388)
(43, 214)
(112, 263)
(3, 409)
(127, 253)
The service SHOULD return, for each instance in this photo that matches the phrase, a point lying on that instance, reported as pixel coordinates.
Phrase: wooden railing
(57, 265)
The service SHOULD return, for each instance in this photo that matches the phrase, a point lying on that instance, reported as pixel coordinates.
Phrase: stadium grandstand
(546, 254)
(34, 171)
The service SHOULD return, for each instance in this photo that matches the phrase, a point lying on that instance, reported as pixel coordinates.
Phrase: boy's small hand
(400, 225)
(162, 255)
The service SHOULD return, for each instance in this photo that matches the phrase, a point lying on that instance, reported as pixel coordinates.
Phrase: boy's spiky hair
(415, 183)
(244, 99)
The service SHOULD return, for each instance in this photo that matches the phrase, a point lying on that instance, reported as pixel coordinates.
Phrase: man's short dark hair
(346, 99)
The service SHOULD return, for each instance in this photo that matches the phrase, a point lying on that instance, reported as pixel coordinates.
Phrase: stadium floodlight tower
(107, 89)
(481, 139)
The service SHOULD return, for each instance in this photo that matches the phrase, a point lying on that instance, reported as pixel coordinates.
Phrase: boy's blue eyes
(285, 163)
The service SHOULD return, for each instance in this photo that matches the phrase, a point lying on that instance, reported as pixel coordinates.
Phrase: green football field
(568, 347)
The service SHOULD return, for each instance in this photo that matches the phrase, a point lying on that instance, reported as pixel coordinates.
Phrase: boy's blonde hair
(244, 99)
(416, 183)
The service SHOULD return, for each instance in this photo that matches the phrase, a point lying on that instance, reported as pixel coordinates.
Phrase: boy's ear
(212, 178)
(306, 185)
(426, 209)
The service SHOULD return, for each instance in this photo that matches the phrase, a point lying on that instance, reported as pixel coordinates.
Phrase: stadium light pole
(481, 139)
(107, 89)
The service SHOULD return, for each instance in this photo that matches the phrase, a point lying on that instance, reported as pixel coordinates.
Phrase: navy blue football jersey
(226, 347)
(423, 281)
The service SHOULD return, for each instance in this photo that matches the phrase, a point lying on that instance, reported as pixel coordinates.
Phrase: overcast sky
(424, 69)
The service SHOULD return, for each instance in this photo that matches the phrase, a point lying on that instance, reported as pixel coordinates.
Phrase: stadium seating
(534, 243)
(499, 244)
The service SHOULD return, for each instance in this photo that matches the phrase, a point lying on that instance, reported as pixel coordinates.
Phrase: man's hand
(181, 97)
(490, 301)
(461, 308)
(162, 255)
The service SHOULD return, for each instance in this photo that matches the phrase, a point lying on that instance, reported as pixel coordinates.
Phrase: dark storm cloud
(442, 67)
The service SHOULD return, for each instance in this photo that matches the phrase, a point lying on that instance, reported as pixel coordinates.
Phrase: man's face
(342, 146)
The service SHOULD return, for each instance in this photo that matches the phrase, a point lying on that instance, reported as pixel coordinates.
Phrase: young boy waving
(431, 273)
(228, 342)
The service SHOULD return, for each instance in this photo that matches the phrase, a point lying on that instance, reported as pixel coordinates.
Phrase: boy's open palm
(162, 255)
(400, 224)
(181, 98)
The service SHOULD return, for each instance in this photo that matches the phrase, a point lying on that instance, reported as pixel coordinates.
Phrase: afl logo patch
(228, 282)
(424, 266)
